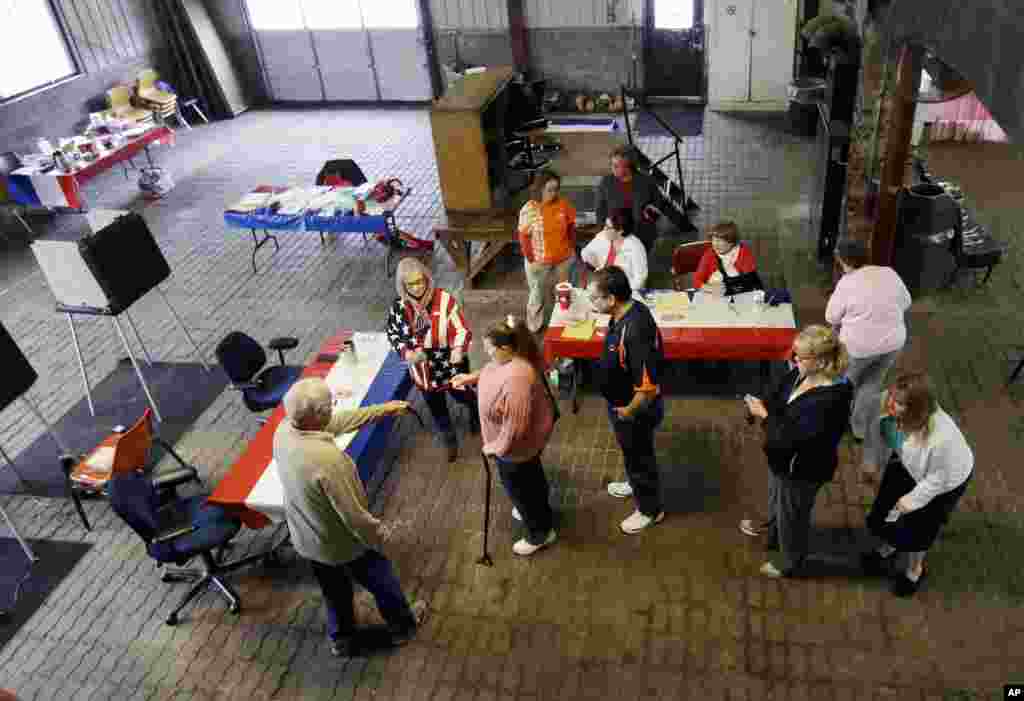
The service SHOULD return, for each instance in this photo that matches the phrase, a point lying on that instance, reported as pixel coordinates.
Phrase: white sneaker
(516, 515)
(638, 521)
(620, 490)
(523, 547)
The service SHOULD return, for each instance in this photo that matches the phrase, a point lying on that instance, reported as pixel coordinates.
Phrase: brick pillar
(897, 152)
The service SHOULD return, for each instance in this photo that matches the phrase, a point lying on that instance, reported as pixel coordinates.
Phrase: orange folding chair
(123, 451)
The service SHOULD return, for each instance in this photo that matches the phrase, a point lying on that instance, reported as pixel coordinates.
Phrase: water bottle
(553, 378)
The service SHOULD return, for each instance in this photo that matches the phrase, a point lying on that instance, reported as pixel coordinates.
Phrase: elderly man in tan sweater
(327, 513)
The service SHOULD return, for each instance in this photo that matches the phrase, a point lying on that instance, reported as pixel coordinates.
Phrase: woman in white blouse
(612, 246)
(928, 464)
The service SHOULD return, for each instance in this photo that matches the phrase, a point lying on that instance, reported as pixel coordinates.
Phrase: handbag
(738, 284)
(557, 414)
(386, 189)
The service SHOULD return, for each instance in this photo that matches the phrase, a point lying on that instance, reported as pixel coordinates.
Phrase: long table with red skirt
(392, 381)
(53, 189)
(736, 343)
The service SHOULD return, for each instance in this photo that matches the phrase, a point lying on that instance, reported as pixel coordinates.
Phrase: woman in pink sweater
(517, 415)
(867, 306)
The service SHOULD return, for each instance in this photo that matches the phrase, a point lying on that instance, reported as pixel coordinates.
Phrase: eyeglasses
(796, 356)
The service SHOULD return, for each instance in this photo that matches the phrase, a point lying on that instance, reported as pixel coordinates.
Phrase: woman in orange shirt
(547, 235)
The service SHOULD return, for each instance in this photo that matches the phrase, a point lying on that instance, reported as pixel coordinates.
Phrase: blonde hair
(725, 230)
(822, 342)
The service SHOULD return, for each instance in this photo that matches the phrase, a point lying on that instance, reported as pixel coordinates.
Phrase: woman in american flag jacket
(427, 329)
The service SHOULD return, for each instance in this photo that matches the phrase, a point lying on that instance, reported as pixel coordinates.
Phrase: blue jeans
(636, 438)
(374, 572)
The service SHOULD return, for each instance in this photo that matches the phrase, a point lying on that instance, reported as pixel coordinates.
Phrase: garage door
(318, 50)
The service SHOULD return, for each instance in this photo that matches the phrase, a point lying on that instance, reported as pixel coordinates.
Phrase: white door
(345, 65)
(289, 60)
(399, 51)
(772, 47)
(729, 69)
(342, 49)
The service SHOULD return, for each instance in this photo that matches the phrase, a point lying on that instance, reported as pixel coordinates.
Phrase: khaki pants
(541, 279)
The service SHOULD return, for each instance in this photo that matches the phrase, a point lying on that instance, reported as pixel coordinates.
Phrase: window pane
(29, 29)
(332, 14)
(673, 14)
(269, 15)
(390, 14)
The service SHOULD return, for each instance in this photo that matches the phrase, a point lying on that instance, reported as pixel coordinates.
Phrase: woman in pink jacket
(867, 307)
(517, 416)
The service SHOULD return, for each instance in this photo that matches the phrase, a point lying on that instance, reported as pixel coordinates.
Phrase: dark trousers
(374, 572)
(527, 487)
(790, 504)
(917, 530)
(636, 438)
(437, 403)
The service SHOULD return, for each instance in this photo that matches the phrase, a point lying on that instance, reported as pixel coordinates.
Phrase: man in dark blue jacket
(628, 375)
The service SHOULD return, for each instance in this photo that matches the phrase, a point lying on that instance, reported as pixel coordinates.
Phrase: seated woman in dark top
(805, 416)
(626, 188)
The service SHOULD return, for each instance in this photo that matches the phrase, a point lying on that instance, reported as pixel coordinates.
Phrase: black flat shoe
(902, 585)
(874, 564)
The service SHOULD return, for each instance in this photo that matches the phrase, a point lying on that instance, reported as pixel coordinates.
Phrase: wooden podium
(469, 141)
(477, 186)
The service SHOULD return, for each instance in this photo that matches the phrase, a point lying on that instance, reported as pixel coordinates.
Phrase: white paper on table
(267, 495)
(711, 311)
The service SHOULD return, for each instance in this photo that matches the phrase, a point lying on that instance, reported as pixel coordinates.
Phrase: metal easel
(71, 311)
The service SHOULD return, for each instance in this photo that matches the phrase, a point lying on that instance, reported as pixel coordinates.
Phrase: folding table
(714, 328)
(55, 188)
(252, 487)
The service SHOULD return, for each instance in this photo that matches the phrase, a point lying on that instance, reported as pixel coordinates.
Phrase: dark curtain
(194, 77)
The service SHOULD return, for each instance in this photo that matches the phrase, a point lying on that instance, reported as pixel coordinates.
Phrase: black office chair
(343, 169)
(178, 532)
(242, 358)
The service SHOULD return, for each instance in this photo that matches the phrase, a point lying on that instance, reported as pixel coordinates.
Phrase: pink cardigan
(868, 305)
(516, 416)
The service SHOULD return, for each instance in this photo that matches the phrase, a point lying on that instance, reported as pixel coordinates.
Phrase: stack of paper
(579, 331)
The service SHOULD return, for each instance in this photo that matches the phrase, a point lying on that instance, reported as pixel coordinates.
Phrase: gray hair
(308, 399)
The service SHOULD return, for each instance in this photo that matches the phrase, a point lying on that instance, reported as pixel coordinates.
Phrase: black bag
(738, 284)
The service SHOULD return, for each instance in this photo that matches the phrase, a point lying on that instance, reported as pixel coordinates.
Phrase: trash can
(804, 96)
(924, 248)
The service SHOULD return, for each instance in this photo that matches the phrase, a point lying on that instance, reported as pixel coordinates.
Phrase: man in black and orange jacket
(628, 376)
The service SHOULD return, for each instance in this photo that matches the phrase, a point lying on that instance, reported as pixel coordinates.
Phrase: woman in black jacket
(805, 416)
(627, 188)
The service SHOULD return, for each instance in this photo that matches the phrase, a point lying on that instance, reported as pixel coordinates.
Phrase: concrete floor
(678, 612)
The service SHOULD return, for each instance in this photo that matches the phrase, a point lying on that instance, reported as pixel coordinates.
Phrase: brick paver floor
(677, 612)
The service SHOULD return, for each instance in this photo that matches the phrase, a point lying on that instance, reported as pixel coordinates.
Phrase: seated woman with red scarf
(427, 329)
(725, 257)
